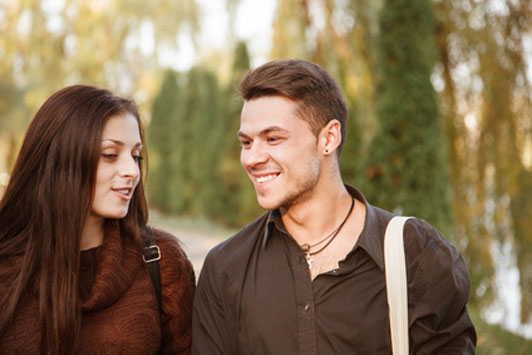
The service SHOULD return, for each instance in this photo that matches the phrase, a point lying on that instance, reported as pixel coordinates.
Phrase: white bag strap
(396, 284)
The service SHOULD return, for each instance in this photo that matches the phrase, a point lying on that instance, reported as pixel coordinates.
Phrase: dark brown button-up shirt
(255, 294)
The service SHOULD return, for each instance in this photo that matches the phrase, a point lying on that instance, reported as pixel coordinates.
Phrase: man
(307, 277)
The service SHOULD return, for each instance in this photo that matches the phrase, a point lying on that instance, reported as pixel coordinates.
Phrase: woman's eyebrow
(120, 143)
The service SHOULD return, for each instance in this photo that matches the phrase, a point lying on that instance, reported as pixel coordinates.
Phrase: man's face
(279, 152)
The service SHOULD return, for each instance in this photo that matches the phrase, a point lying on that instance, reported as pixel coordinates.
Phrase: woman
(72, 218)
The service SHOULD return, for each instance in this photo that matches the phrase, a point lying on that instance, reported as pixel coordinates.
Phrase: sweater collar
(108, 271)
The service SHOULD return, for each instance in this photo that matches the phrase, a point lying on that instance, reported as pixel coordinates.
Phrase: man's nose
(253, 155)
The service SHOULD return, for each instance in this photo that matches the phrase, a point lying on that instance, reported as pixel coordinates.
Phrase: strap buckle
(153, 252)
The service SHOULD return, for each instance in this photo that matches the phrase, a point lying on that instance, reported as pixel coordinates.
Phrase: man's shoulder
(238, 246)
(424, 234)
(420, 237)
(415, 229)
(429, 250)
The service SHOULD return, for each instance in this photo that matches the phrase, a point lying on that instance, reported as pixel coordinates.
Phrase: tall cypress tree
(239, 199)
(204, 139)
(164, 148)
(194, 150)
(406, 169)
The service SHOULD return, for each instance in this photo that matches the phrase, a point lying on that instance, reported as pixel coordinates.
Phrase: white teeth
(265, 178)
(124, 192)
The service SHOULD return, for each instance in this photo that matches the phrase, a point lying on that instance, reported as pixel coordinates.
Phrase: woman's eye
(138, 158)
(109, 156)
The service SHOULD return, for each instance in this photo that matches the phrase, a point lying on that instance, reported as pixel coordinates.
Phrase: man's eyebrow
(120, 143)
(274, 129)
(241, 134)
(267, 130)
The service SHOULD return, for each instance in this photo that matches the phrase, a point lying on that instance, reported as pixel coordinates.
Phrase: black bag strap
(152, 255)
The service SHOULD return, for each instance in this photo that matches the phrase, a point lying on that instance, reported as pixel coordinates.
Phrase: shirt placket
(306, 316)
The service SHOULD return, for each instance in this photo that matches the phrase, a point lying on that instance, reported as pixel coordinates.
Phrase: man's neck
(310, 220)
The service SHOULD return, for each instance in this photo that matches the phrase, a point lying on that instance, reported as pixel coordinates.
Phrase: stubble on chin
(300, 193)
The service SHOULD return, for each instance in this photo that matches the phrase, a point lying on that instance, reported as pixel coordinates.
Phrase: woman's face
(118, 170)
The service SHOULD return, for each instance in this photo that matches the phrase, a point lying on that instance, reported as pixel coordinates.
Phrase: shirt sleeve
(438, 291)
(178, 286)
(208, 327)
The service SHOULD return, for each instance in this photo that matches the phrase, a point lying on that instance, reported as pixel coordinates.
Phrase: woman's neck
(92, 234)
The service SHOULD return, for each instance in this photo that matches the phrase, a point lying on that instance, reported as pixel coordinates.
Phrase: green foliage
(163, 135)
(47, 45)
(239, 199)
(406, 165)
(289, 29)
(184, 135)
(194, 151)
(204, 137)
(521, 209)
(488, 125)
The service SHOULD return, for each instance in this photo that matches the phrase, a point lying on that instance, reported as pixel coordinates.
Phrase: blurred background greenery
(439, 94)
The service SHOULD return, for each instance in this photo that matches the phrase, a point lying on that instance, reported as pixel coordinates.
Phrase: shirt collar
(272, 221)
(371, 237)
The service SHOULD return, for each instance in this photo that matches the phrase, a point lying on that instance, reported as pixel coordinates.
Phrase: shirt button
(307, 307)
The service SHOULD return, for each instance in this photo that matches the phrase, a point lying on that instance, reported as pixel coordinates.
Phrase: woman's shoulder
(172, 253)
(178, 287)
(163, 239)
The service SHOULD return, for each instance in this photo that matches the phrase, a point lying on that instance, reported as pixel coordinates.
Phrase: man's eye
(245, 143)
(272, 139)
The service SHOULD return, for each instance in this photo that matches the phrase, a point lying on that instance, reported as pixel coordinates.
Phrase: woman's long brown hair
(46, 203)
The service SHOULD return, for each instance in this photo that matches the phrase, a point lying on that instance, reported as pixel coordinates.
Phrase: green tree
(194, 150)
(46, 45)
(238, 192)
(488, 109)
(163, 136)
(204, 133)
(184, 137)
(341, 37)
(289, 29)
(407, 169)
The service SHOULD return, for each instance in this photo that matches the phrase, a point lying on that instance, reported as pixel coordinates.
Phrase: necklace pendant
(309, 260)
(305, 247)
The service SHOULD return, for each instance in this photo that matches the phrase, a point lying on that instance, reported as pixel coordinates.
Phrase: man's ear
(330, 137)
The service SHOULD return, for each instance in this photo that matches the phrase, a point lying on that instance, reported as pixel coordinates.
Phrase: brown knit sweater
(119, 306)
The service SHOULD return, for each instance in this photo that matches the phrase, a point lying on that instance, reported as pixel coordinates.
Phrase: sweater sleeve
(178, 286)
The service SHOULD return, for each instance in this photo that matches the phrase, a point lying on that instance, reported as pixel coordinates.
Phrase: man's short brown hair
(316, 93)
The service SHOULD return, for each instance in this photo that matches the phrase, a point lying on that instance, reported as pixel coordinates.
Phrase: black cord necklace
(306, 247)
